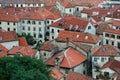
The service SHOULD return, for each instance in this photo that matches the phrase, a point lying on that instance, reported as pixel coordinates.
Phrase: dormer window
(89, 27)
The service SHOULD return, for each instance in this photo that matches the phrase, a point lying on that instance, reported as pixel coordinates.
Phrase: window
(39, 22)
(84, 72)
(102, 59)
(47, 22)
(52, 31)
(58, 30)
(89, 27)
(16, 5)
(23, 21)
(106, 74)
(113, 43)
(14, 29)
(8, 23)
(33, 22)
(106, 35)
(95, 59)
(69, 10)
(66, 71)
(48, 27)
(118, 37)
(23, 28)
(14, 23)
(34, 29)
(107, 42)
(44, 54)
(51, 21)
(40, 35)
(39, 28)
(28, 22)
(119, 45)
(52, 37)
(0, 22)
(113, 36)
(28, 28)
(34, 35)
(8, 29)
(77, 9)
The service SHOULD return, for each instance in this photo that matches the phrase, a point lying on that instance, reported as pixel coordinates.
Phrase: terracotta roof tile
(8, 36)
(77, 76)
(105, 50)
(48, 46)
(112, 31)
(114, 22)
(78, 37)
(21, 1)
(113, 64)
(33, 13)
(23, 42)
(73, 3)
(84, 47)
(9, 18)
(102, 27)
(26, 51)
(56, 74)
(73, 21)
(3, 51)
(70, 58)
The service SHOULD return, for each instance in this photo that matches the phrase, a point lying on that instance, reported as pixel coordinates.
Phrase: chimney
(58, 60)
(67, 41)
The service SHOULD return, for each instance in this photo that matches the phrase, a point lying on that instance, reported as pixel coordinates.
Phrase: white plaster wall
(92, 30)
(10, 44)
(55, 34)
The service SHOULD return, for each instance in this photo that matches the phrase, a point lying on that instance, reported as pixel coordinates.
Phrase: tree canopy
(29, 38)
(23, 68)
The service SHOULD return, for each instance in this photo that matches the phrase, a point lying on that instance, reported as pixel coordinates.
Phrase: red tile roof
(32, 13)
(91, 11)
(96, 13)
(73, 3)
(72, 21)
(102, 27)
(77, 76)
(23, 42)
(8, 17)
(114, 31)
(56, 74)
(115, 12)
(78, 37)
(8, 36)
(113, 64)
(21, 1)
(70, 58)
(48, 46)
(3, 51)
(26, 51)
(115, 22)
(84, 47)
(105, 50)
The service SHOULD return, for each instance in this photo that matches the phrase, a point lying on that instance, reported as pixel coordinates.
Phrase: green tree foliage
(23, 68)
(29, 38)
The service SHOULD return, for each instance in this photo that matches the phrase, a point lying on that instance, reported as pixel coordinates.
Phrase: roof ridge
(67, 57)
